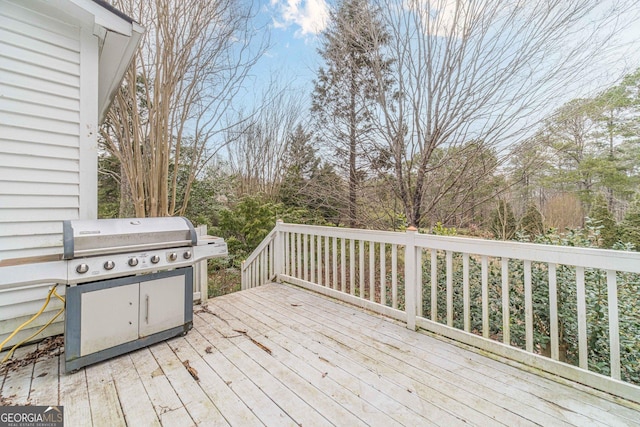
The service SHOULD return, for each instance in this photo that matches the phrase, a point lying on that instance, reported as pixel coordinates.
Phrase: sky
(295, 28)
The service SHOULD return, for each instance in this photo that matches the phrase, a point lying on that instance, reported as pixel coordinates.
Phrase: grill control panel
(91, 269)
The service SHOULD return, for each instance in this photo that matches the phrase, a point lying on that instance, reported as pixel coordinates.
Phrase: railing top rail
(391, 237)
(258, 250)
(606, 259)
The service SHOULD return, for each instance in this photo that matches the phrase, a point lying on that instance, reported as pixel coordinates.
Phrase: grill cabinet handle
(146, 315)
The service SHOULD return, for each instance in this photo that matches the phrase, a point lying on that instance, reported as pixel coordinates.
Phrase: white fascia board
(115, 56)
(105, 18)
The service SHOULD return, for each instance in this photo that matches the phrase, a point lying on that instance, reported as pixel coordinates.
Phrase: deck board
(571, 400)
(445, 369)
(103, 397)
(281, 356)
(237, 397)
(136, 405)
(74, 395)
(397, 364)
(581, 407)
(44, 384)
(17, 382)
(347, 394)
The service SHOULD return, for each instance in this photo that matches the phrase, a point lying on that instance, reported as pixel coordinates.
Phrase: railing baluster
(582, 318)
(312, 258)
(247, 273)
(305, 257)
(352, 267)
(299, 255)
(449, 258)
(334, 255)
(243, 275)
(252, 283)
(263, 267)
(614, 332)
(466, 296)
(383, 274)
(419, 311)
(485, 296)
(528, 307)
(286, 253)
(434, 285)
(361, 268)
(372, 271)
(343, 265)
(553, 311)
(319, 252)
(327, 278)
(270, 268)
(506, 331)
(289, 254)
(294, 253)
(394, 275)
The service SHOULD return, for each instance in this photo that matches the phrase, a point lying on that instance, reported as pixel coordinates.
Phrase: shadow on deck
(279, 355)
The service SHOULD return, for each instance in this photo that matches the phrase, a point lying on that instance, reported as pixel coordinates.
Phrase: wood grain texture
(277, 355)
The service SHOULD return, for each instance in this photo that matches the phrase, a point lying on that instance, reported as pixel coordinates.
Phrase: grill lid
(108, 236)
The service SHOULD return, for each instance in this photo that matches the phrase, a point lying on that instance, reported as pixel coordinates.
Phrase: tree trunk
(353, 183)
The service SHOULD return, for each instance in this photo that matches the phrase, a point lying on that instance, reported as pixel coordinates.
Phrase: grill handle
(128, 248)
(146, 314)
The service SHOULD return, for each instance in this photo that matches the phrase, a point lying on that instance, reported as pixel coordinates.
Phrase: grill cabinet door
(161, 304)
(109, 317)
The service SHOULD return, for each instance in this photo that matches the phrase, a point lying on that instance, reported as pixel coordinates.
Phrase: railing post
(410, 277)
(200, 273)
(278, 251)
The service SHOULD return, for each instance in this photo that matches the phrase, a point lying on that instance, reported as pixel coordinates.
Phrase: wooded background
(456, 117)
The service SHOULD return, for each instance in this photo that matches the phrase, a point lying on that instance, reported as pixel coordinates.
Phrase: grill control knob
(173, 256)
(155, 259)
(133, 262)
(187, 255)
(82, 268)
(109, 265)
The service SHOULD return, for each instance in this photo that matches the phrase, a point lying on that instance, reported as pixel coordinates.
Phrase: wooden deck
(280, 356)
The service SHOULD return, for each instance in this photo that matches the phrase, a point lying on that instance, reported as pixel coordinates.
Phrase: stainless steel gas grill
(129, 283)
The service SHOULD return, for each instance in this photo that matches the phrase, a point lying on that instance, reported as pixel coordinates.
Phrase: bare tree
(257, 143)
(192, 61)
(481, 71)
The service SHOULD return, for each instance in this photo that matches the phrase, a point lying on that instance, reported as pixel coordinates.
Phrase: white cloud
(310, 16)
(445, 18)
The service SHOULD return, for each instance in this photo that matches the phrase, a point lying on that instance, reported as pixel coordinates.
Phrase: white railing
(552, 307)
(259, 268)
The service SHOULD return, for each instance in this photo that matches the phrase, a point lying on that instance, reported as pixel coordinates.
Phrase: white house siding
(40, 144)
(39, 131)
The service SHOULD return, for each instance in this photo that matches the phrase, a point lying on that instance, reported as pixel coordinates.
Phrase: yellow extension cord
(51, 292)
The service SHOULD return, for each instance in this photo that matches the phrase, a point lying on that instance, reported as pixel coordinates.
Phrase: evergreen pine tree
(346, 89)
(630, 226)
(301, 163)
(532, 222)
(601, 214)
